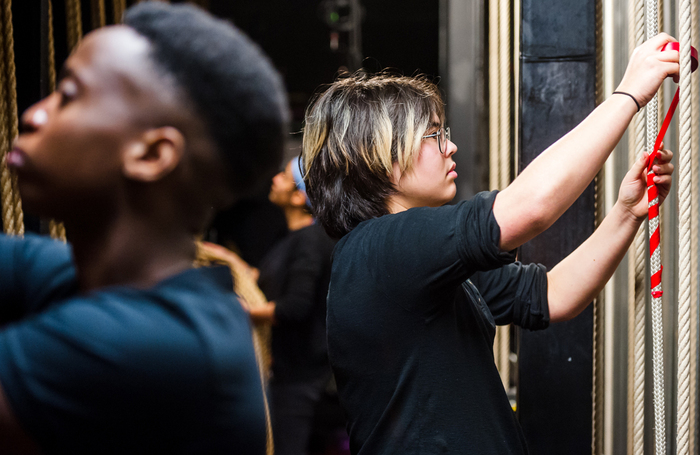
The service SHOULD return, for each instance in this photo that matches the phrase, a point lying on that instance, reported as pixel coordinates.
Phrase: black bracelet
(633, 99)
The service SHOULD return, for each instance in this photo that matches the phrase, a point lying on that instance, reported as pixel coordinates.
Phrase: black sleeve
(34, 271)
(517, 294)
(427, 249)
(306, 271)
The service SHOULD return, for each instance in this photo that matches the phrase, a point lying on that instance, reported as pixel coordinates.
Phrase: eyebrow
(435, 125)
(66, 72)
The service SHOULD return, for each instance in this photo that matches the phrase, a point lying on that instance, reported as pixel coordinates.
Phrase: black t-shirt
(411, 310)
(169, 369)
(295, 274)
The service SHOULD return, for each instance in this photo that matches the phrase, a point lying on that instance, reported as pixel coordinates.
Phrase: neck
(397, 204)
(128, 251)
(297, 218)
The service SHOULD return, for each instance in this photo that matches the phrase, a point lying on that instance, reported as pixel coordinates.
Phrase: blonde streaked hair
(355, 131)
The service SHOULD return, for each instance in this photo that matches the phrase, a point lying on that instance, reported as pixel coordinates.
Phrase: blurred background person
(294, 276)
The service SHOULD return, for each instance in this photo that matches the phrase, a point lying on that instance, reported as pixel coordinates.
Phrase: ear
(298, 198)
(155, 155)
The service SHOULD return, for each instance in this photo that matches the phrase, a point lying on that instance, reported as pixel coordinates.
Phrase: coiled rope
(652, 28)
(685, 163)
(500, 136)
(119, 6)
(56, 229)
(636, 267)
(97, 9)
(504, 171)
(494, 121)
(598, 393)
(695, 146)
(74, 23)
(12, 215)
(246, 287)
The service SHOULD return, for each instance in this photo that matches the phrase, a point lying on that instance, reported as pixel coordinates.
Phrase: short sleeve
(88, 364)
(517, 294)
(436, 247)
(34, 271)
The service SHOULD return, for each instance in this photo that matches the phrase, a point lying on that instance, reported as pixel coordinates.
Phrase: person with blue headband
(294, 276)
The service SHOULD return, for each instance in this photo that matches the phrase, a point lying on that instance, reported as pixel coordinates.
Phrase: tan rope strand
(597, 394)
(99, 18)
(5, 174)
(493, 95)
(74, 23)
(11, 118)
(504, 110)
(494, 136)
(245, 286)
(636, 266)
(56, 229)
(695, 143)
(119, 8)
(684, 244)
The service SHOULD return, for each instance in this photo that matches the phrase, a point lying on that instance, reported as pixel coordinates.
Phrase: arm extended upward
(553, 181)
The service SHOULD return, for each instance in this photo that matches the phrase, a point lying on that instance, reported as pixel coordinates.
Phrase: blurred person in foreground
(114, 343)
(418, 287)
(294, 276)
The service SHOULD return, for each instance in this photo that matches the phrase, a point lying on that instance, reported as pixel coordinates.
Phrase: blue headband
(297, 174)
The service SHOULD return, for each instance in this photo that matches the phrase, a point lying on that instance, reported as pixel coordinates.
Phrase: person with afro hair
(114, 343)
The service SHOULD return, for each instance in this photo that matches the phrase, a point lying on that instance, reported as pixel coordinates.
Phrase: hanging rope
(74, 23)
(598, 395)
(56, 229)
(504, 171)
(246, 287)
(636, 266)
(657, 289)
(684, 245)
(494, 132)
(12, 216)
(119, 8)
(695, 146)
(97, 8)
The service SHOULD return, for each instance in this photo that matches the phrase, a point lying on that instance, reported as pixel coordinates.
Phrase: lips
(452, 168)
(16, 158)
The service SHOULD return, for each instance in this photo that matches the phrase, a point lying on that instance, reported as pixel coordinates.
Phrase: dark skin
(118, 154)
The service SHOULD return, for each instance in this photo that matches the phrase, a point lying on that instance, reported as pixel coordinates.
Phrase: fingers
(663, 156)
(648, 67)
(660, 40)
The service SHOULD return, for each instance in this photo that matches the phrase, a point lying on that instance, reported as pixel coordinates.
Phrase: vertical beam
(557, 91)
(462, 69)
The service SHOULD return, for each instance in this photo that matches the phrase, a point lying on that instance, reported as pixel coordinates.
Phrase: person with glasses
(418, 287)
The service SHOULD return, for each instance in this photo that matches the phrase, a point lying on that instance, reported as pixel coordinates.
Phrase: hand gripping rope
(652, 192)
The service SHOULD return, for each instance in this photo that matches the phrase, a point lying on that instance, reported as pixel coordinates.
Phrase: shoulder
(36, 270)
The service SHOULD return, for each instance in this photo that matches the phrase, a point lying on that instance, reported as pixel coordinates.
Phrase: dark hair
(229, 80)
(354, 132)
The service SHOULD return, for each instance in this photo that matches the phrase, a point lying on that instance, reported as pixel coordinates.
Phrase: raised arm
(576, 280)
(556, 178)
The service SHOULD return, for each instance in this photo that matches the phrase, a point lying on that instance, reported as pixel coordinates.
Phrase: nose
(451, 149)
(35, 116)
(277, 177)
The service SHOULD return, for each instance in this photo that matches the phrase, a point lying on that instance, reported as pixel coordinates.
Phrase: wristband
(633, 99)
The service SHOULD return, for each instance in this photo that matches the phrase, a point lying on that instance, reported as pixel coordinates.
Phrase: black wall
(557, 91)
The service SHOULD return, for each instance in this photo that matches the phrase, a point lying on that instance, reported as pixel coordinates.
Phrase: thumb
(640, 165)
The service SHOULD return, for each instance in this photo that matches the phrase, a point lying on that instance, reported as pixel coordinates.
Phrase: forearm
(581, 276)
(552, 182)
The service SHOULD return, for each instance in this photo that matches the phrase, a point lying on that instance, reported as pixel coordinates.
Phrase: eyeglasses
(442, 135)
